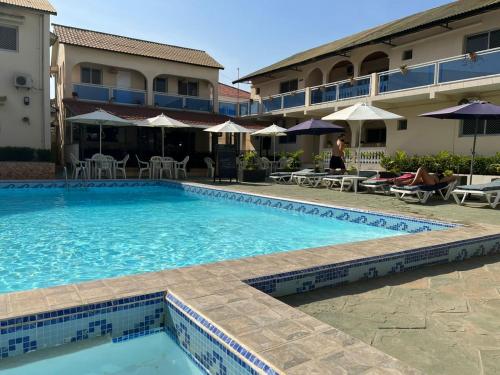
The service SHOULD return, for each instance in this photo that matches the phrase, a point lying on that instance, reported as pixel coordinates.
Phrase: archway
(341, 71)
(374, 63)
(315, 78)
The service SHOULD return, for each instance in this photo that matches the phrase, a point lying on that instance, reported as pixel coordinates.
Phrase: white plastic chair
(78, 167)
(210, 166)
(282, 163)
(155, 164)
(143, 167)
(181, 167)
(121, 166)
(167, 164)
(104, 166)
(265, 164)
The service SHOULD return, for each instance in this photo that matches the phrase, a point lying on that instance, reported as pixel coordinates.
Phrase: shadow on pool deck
(434, 209)
(441, 319)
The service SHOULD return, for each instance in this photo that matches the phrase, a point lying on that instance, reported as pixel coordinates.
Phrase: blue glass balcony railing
(323, 94)
(168, 101)
(244, 109)
(228, 109)
(197, 104)
(254, 108)
(355, 88)
(478, 65)
(410, 78)
(294, 99)
(271, 104)
(124, 96)
(91, 92)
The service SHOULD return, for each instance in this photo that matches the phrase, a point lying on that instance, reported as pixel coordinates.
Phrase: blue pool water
(157, 354)
(56, 236)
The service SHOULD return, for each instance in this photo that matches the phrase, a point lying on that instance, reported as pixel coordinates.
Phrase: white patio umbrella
(101, 118)
(361, 112)
(271, 131)
(162, 122)
(227, 127)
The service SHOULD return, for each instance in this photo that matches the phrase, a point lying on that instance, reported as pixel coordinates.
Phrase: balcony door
(123, 79)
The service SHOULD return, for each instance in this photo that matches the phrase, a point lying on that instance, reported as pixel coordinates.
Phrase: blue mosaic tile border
(216, 351)
(388, 221)
(120, 318)
(61, 184)
(341, 273)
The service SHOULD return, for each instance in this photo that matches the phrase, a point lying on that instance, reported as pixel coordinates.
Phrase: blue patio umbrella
(475, 110)
(315, 127)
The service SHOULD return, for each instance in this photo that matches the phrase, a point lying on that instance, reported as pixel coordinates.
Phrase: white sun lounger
(422, 193)
(312, 179)
(489, 191)
(287, 177)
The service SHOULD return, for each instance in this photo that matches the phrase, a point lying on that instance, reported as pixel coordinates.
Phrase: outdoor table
(355, 181)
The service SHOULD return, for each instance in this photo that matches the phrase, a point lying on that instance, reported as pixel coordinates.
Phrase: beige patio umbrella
(271, 131)
(227, 127)
(162, 122)
(100, 118)
(361, 112)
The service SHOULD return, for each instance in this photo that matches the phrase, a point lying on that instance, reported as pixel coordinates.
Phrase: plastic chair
(143, 167)
(210, 166)
(78, 167)
(167, 164)
(181, 167)
(121, 166)
(104, 166)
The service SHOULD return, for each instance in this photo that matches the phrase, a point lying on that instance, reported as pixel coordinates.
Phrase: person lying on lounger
(423, 177)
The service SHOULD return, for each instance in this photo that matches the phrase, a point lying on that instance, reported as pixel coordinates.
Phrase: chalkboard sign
(225, 162)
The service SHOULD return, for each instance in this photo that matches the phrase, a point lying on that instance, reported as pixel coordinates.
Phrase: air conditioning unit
(23, 81)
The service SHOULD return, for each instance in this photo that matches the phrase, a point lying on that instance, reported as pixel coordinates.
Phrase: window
(480, 42)
(290, 138)
(160, 85)
(488, 127)
(288, 86)
(402, 124)
(187, 88)
(257, 91)
(8, 38)
(408, 54)
(91, 75)
(375, 135)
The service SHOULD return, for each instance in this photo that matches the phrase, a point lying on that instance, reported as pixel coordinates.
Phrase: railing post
(307, 97)
(282, 99)
(373, 85)
(436, 73)
(337, 92)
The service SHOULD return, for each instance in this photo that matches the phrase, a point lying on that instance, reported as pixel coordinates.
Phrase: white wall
(31, 58)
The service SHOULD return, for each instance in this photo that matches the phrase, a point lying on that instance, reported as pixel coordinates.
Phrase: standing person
(337, 160)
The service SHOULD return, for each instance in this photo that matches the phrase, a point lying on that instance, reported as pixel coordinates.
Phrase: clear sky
(238, 33)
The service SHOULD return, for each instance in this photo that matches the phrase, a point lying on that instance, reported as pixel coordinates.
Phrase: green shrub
(443, 161)
(24, 154)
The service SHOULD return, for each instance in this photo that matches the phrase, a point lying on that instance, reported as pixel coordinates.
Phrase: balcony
(228, 109)
(101, 93)
(173, 101)
(437, 73)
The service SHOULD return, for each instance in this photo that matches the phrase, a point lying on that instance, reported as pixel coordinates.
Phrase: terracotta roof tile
(232, 92)
(42, 5)
(197, 119)
(131, 46)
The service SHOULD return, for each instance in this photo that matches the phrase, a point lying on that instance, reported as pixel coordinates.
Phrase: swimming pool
(153, 354)
(58, 236)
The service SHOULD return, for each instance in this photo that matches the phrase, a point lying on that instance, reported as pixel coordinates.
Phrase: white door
(123, 79)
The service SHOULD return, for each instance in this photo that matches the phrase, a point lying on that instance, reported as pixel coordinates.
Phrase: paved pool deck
(288, 339)
(435, 209)
(443, 319)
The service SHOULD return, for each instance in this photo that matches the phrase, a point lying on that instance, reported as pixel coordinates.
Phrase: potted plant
(293, 158)
(251, 171)
(319, 161)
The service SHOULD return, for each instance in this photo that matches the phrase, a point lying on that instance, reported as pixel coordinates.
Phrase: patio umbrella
(271, 131)
(315, 127)
(475, 110)
(227, 127)
(100, 118)
(361, 112)
(162, 122)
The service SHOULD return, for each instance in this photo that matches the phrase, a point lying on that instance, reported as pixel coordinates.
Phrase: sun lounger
(383, 184)
(347, 181)
(421, 193)
(489, 191)
(287, 177)
(312, 179)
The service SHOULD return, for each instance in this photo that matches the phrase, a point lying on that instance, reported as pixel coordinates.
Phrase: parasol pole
(100, 137)
(162, 142)
(473, 150)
